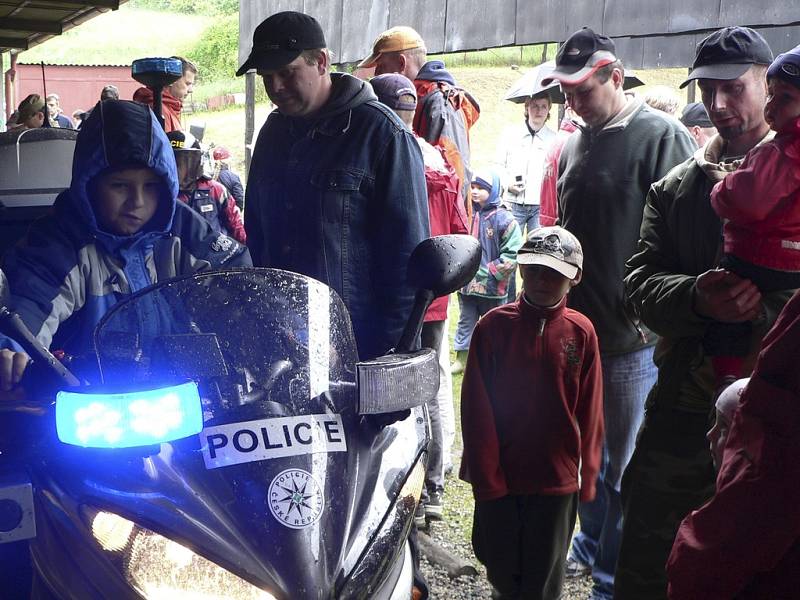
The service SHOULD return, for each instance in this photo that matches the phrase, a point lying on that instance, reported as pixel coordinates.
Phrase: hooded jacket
(68, 271)
(171, 107)
(500, 239)
(760, 203)
(340, 197)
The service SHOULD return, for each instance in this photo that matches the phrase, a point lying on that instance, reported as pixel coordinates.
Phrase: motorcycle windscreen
(263, 490)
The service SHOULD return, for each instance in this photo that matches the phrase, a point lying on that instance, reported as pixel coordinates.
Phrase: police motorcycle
(228, 445)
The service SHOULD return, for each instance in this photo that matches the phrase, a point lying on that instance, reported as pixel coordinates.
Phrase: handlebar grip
(13, 326)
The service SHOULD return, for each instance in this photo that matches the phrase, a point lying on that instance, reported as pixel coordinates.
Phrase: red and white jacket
(760, 203)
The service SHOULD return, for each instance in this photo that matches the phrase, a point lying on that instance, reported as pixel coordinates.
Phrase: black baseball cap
(695, 114)
(580, 56)
(728, 53)
(280, 39)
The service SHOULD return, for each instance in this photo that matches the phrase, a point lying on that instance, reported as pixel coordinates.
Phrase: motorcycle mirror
(4, 290)
(438, 266)
(444, 263)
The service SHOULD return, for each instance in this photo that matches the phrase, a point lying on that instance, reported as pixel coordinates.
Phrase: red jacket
(548, 197)
(447, 215)
(745, 542)
(171, 107)
(761, 203)
(532, 403)
(227, 215)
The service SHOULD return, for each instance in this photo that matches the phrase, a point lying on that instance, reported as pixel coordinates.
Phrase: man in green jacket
(604, 173)
(673, 283)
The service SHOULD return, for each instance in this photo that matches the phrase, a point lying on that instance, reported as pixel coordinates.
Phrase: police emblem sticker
(295, 498)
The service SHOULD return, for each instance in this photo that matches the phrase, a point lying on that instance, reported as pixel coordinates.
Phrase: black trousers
(522, 541)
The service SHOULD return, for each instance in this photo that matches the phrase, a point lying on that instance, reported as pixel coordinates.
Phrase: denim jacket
(341, 197)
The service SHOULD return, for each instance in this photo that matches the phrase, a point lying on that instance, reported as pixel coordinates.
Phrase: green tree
(190, 7)
(217, 51)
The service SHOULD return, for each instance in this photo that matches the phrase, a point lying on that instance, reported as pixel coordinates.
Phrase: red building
(78, 86)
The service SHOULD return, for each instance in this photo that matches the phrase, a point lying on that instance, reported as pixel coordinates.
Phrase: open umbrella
(530, 84)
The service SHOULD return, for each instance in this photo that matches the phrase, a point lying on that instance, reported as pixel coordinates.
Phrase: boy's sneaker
(434, 508)
(419, 516)
(575, 568)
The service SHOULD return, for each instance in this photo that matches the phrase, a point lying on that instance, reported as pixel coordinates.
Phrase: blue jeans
(527, 217)
(627, 378)
(471, 309)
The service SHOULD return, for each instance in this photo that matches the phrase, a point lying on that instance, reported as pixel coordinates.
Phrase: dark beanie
(787, 67)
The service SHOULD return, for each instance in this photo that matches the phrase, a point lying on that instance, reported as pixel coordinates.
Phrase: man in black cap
(695, 118)
(336, 189)
(674, 284)
(605, 170)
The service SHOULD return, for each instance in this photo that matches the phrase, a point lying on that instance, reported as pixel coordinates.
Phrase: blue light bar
(128, 419)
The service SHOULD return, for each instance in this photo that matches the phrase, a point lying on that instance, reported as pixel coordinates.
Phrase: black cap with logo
(280, 39)
(580, 56)
(728, 53)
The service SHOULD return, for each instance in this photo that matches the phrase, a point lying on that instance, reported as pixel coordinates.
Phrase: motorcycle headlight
(159, 568)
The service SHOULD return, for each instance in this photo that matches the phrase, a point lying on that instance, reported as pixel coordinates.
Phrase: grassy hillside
(118, 37)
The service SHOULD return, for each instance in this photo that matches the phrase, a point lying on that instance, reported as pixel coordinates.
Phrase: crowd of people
(657, 255)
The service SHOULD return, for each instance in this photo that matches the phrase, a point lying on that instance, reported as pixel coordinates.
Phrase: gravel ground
(453, 534)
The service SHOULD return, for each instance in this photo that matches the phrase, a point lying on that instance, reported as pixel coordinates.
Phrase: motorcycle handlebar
(12, 325)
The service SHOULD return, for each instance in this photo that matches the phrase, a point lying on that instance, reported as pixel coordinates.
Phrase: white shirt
(522, 154)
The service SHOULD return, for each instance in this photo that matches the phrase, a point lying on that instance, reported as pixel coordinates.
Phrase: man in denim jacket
(336, 189)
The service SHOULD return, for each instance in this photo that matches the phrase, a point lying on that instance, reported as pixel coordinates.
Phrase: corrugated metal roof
(27, 23)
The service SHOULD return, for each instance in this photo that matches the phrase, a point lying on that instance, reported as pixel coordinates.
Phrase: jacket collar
(532, 311)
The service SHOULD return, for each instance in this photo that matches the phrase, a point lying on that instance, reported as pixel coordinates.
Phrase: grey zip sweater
(604, 177)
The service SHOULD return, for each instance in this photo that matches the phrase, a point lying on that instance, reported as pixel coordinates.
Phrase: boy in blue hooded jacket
(116, 230)
(497, 231)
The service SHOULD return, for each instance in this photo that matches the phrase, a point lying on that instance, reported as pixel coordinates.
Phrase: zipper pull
(542, 323)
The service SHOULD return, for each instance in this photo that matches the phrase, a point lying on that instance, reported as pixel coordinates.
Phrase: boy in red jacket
(532, 421)
(760, 204)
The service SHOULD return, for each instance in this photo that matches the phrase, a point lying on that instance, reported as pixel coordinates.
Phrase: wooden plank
(544, 21)
(428, 18)
(32, 25)
(634, 17)
(473, 24)
(361, 24)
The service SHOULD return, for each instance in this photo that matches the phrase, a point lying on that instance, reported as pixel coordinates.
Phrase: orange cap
(392, 40)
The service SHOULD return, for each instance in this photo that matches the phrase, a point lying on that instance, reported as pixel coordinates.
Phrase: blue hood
(494, 194)
(120, 133)
(434, 70)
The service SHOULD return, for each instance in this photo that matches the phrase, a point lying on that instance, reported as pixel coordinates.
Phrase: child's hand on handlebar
(12, 366)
